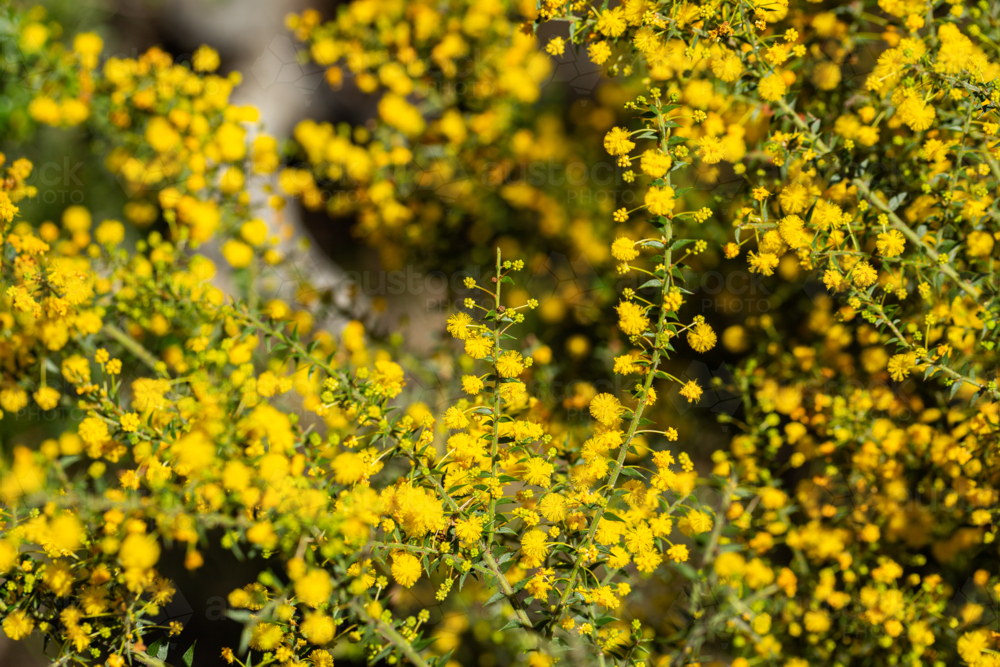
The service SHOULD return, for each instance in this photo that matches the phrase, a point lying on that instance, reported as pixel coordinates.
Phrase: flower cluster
(555, 481)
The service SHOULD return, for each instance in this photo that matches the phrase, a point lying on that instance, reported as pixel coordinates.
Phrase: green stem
(507, 589)
(896, 221)
(495, 437)
(651, 373)
(149, 660)
(132, 345)
(491, 562)
(908, 232)
(930, 362)
(636, 416)
(390, 633)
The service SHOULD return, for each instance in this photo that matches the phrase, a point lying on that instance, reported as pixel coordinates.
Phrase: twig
(132, 345)
(390, 633)
(908, 232)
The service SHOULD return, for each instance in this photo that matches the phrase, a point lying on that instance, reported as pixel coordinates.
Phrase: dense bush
(176, 386)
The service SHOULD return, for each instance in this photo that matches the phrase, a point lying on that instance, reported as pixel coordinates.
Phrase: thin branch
(390, 633)
(132, 345)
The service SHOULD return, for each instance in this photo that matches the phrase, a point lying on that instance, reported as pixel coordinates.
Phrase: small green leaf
(188, 657)
(954, 389)
(496, 597)
(686, 570)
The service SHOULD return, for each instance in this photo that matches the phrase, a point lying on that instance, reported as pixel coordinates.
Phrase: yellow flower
(469, 530)
(692, 391)
(655, 163)
(93, 431)
(900, 366)
(624, 249)
(510, 364)
(13, 399)
(979, 244)
(318, 628)
(864, 275)
(139, 552)
(891, 243)
(816, 621)
(611, 22)
(648, 561)
(834, 280)
(678, 553)
(266, 636)
(8, 556)
(763, 263)
(701, 337)
(772, 87)
(606, 409)
(478, 347)
(632, 318)
(616, 141)
(534, 548)
(917, 114)
(238, 254)
(599, 52)
(110, 232)
(660, 200)
(205, 59)
(149, 393)
(727, 67)
(695, 523)
(471, 384)
(349, 468)
(58, 578)
(18, 625)
(314, 588)
(406, 569)
(254, 232)
(388, 378)
(459, 325)
(538, 471)
(130, 422)
(33, 37)
(710, 150)
(88, 46)
(400, 114)
(161, 135)
(870, 533)
(971, 645)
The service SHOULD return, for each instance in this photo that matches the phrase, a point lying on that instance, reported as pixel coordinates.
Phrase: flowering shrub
(844, 158)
